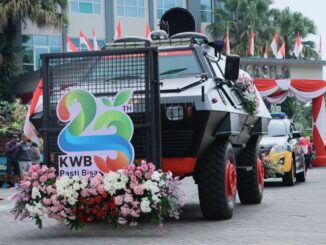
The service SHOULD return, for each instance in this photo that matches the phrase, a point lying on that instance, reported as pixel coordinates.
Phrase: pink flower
(100, 188)
(138, 173)
(118, 200)
(44, 168)
(128, 198)
(138, 190)
(134, 213)
(43, 179)
(35, 184)
(40, 171)
(51, 175)
(125, 211)
(26, 185)
(47, 201)
(144, 167)
(132, 224)
(50, 189)
(84, 193)
(151, 166)
(148, 175)
(133, 179)
(34, 175)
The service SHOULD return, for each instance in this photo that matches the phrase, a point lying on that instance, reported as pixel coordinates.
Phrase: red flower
(105, 195)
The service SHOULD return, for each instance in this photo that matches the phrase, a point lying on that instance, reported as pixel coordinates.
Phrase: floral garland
(247, 87)
(135, 194)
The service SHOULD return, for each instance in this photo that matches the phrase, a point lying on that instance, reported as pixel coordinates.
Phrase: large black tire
(289, 177)
(211, 177)
(250, 184)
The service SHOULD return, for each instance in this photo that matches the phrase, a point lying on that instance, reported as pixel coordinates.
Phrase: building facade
(103, 16)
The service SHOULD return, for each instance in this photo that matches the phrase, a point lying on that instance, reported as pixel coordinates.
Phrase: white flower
(114, 181)
(144, 205)
(156, 176)
(35, 193)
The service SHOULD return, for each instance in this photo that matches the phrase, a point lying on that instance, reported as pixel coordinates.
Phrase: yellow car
(281, 152)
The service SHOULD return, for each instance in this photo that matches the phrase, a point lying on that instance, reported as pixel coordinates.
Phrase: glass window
(178, 63)
(40, 40)
(164, 5)
(277, 128)
(85, 6)
(206, 10)
(35, 45)
(131, 8)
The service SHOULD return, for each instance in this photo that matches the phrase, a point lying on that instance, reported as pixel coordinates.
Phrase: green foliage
(242, 17)
(300, 113)
(272, 168)
(12, 13)
(14, 115)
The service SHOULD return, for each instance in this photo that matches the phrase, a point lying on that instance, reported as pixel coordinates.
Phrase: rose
(138, 173)
(43, 179)
(118, 200)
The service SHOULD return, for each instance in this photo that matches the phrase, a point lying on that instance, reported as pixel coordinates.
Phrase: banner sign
(97, 136)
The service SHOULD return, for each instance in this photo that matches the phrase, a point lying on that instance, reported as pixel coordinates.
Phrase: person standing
(23, 152)
(12, 161)
(35, 154)
(308, 156)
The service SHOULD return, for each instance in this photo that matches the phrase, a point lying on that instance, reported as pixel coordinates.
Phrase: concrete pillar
(109, 20)
(194, 8)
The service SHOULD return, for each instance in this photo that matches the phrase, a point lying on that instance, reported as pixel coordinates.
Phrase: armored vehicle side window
(178, 63)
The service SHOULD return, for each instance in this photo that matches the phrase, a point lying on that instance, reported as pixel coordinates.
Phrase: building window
(131, 8)
(82, 46)
(206, 10)
(35, 45)
(85, 6)
(164, 5)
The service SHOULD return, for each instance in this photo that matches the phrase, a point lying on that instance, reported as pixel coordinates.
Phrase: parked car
(281, 147)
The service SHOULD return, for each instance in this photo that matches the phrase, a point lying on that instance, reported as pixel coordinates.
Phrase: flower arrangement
(272, 168)
(138, 193)
(249, 92)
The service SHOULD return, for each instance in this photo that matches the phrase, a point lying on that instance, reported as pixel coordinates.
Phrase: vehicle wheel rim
(230, 180)
(260, 172)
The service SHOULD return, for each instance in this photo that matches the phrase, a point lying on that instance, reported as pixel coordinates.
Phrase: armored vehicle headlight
(174, 113)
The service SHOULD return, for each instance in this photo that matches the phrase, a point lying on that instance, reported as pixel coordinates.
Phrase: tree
(12, 14)
(241, 17)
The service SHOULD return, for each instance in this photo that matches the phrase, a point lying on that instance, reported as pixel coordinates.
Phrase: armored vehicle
(188, 112)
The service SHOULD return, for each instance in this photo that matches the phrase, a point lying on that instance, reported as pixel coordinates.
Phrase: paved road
(288, 215)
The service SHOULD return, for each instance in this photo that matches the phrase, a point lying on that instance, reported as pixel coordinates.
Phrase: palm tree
(241, 17)
(289, 24)
(12, 14)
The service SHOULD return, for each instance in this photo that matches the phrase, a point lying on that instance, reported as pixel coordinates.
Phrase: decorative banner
(97, 135)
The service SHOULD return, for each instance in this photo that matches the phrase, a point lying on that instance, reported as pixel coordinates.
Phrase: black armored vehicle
(189, 111)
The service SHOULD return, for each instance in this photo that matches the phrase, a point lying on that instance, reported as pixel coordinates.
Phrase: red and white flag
(148, 32)
(281, 52)
(70, 45)
(274, 44)
(266, 53)
(118, 33)
(252, 44)
(227, 42)
(96, 47)
(35, 107)
(83, 39)
(298, 46)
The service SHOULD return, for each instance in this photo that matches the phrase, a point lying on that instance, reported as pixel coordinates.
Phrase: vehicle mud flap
(250, 174)
(216, 178)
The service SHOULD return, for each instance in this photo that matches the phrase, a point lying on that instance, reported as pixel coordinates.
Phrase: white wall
(306, 72)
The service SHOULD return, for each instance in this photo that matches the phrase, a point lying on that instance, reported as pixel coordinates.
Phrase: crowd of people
(20, 156)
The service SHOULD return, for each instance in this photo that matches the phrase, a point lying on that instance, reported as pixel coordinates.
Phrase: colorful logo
(97, 129)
